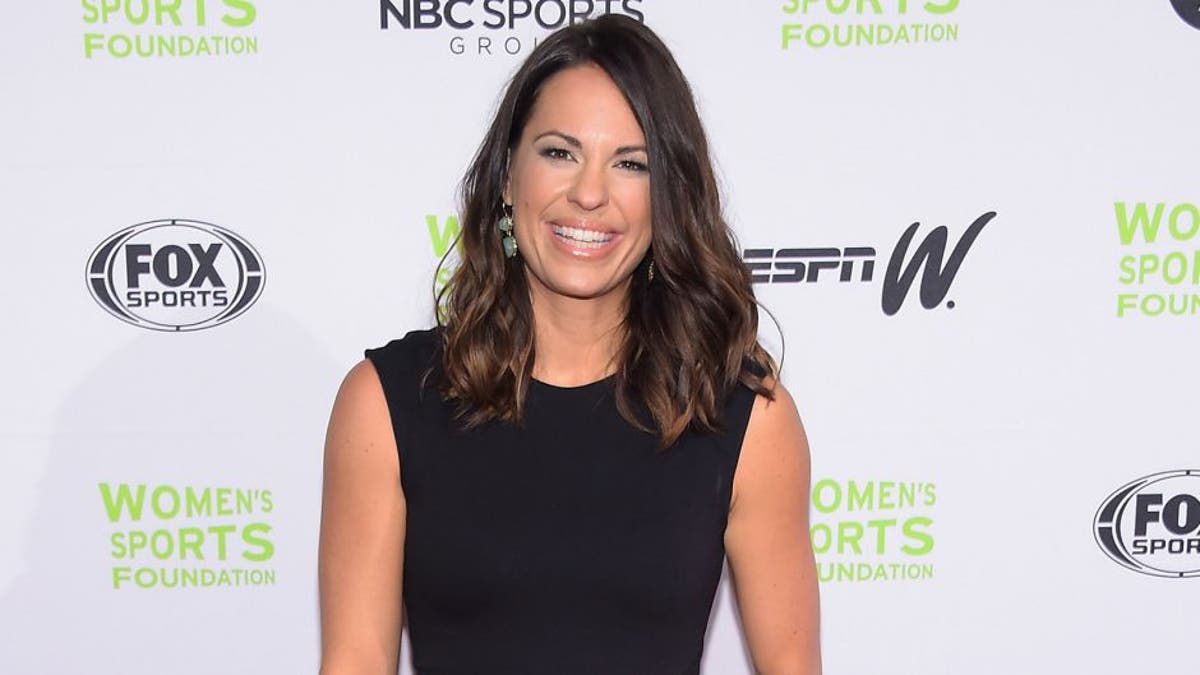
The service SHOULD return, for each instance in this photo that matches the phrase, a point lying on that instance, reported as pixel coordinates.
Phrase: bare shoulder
(775, 442)
(360, 422)
(767, 540)
(363, 512)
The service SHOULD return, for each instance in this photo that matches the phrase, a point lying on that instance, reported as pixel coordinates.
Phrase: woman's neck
(576, 339)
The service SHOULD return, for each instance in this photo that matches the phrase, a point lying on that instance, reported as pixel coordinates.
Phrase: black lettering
(514, 14)
(868, 266)
(1143, 515)
(402, 16)
(427, 13)
(634, 13)
(134, 267)
(793, 269)
(754, 267)
(936, 280)
(543, 21)
(493, 12)
(205, 268)
(1181, 514)
(814, 267)
(449, 12)
(162, 265)
(580, 10)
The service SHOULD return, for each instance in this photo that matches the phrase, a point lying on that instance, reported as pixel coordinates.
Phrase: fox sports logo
(175, 275)
(1152, 525)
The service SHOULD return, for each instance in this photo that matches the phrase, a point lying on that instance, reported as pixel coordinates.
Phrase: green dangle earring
(506, 227)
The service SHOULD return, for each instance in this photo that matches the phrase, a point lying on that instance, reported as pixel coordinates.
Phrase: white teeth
(593, 238)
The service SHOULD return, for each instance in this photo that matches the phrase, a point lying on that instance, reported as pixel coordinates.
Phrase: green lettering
(860, 499)
(221, 531)
(198, 503)
(266, 546)
(887, 494)
(820, 488)
(247, 17)
(172, 509)
(1127, 225)
(1173, 222)
(915, 529)
(245, 501)
(1128, 273)
(169, 8)
(223, 495)
(118, 545)
(444, 236)
(123, 501)
(942, 7)
(850, 534)
(191, 538)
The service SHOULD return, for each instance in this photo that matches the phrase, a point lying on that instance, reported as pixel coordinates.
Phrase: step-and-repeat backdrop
(977, 223)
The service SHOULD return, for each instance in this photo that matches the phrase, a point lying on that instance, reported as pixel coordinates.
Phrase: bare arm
(360, 560)
(767, 541)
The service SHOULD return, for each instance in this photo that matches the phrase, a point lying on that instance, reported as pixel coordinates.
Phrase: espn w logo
(856, 264)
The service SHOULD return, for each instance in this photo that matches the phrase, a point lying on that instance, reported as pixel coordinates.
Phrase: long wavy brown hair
(689, 335)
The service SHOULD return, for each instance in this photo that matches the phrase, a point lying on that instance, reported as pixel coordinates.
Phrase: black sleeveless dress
(567, 546)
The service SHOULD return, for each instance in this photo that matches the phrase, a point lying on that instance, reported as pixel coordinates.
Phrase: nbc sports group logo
(175, 275)
(856, 264)
(1152, 525)
(482, 28)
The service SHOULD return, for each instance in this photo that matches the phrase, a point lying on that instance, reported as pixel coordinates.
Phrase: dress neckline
(578, 387)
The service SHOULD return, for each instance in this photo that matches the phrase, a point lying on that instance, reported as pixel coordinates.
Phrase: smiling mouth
(581, 238)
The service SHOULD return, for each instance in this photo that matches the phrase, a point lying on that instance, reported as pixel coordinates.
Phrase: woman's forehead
(584, 103)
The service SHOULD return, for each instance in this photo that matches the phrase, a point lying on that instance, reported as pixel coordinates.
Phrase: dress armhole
(401, 365)
(390, 371)
(740, 406)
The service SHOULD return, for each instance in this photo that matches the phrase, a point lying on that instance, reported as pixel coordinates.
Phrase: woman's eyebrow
(575, 143)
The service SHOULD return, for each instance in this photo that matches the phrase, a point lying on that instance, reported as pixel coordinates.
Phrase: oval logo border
(249, 287)
(1107, 522)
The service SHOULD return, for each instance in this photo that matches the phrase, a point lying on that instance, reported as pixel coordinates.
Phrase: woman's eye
(633, 165)
(555, 153)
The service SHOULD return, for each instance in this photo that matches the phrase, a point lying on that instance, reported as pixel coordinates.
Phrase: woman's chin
(580, 286)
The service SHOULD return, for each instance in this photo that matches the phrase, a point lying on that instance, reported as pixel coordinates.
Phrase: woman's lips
(582, 242)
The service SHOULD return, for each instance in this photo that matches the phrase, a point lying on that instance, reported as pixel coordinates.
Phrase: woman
(548, 482)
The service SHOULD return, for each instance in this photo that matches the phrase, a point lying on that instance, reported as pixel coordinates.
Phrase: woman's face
(580, 187)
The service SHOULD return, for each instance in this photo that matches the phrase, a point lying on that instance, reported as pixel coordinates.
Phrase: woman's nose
(590, 187)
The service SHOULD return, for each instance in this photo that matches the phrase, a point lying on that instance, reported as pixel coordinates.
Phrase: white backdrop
(960, 453)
